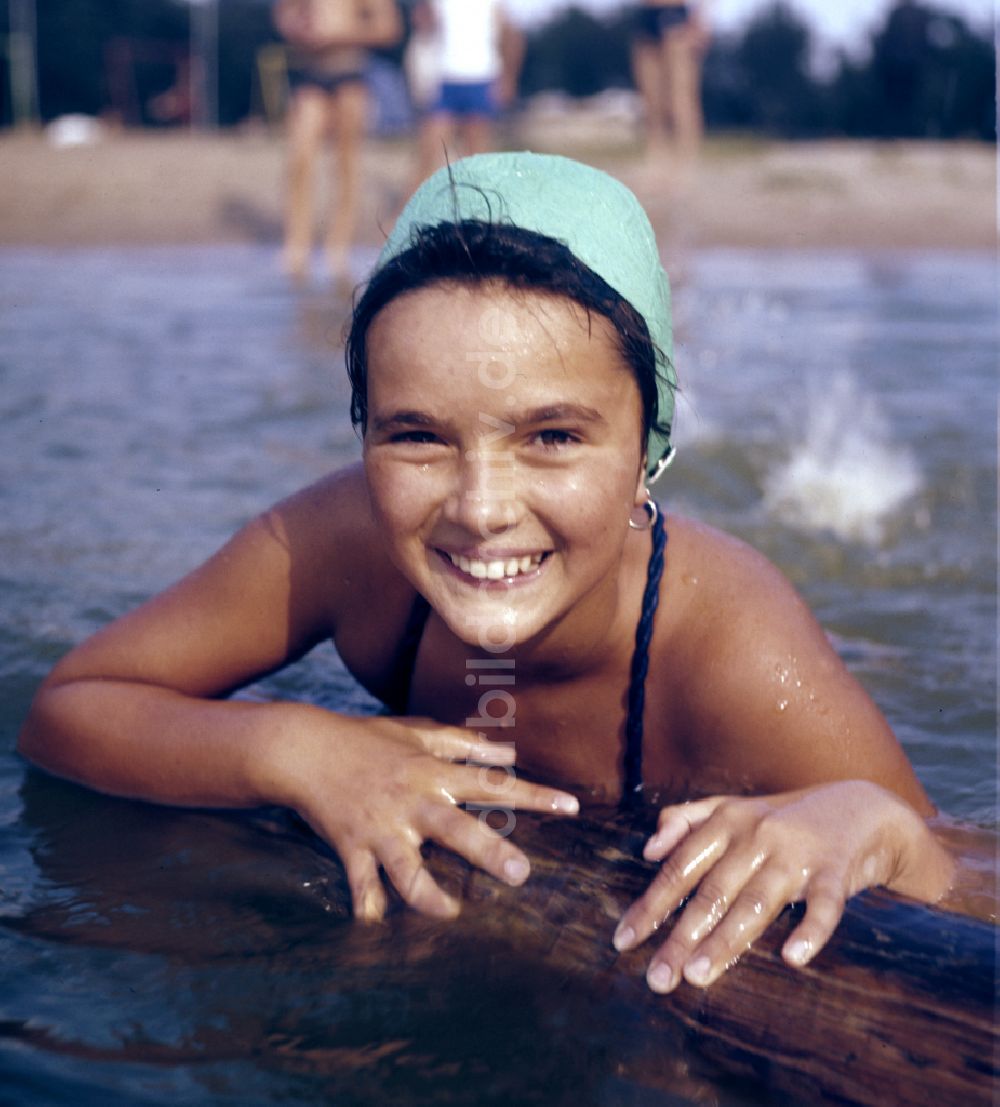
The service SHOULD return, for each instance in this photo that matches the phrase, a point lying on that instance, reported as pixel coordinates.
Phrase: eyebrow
(550, 413)
(401, 419)
(554, 413)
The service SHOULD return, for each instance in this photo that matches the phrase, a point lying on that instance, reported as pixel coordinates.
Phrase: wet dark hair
(474, 251)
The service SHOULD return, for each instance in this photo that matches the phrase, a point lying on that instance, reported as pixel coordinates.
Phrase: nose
(485, 501)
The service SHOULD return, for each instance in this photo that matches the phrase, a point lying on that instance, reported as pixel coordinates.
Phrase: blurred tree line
(925, 74)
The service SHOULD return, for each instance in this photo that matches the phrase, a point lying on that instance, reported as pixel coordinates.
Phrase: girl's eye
(554, 438)
(416, 437)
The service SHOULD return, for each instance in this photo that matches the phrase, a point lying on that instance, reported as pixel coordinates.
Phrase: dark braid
(640, 665)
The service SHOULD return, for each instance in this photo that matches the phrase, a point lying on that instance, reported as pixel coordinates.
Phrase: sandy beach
(177, 187)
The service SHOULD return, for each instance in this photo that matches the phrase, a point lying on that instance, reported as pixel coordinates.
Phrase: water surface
(838, 412)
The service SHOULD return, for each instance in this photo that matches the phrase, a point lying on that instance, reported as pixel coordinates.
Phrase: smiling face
(503, 454)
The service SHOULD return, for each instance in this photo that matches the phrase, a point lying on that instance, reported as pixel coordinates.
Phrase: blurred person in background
(669, 44)
(328, 43)
(422, 58)
(465, 58)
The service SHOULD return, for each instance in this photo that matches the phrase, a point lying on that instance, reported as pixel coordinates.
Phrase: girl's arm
(136, 711)
(772, 710)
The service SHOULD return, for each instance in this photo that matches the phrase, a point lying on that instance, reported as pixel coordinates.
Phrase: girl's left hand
(749, 857)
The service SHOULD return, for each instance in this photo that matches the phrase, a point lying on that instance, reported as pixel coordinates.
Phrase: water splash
(844, 473)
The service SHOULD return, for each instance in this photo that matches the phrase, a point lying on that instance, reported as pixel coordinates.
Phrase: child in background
(477, 55)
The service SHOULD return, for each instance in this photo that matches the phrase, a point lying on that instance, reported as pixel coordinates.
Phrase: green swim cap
(595, 216)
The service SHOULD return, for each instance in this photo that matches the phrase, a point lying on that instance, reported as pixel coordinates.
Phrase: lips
(506, 568)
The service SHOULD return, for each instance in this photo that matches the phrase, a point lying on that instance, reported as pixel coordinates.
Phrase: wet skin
(502, 464)
(534, 457)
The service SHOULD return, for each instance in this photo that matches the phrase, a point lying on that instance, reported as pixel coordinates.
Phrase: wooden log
(898, 1008)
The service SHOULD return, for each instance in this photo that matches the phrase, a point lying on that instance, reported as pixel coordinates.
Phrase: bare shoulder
(716, 578)
(333, 543)
(333, 512)
(339, 566)
(290, 578)
(759, 688)
(731, 614)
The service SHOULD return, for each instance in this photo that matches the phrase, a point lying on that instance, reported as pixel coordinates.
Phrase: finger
(474, 839)
(678, 875)
(367, 893)
(719, 924)
(676, 823)
(824, 908)
(405, 867)
(498, 788)
(454, 744)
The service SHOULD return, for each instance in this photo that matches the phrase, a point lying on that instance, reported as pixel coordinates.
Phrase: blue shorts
(465, 98)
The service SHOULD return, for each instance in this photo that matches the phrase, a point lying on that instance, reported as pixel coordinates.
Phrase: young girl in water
(496, 571)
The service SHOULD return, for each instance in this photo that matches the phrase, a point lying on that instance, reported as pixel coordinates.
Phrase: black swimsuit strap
(405, 660)
(632, 791)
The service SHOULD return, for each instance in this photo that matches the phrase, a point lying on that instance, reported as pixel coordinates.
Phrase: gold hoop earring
(652, 513)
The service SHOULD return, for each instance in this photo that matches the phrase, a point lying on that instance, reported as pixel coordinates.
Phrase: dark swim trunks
(653, 24)
(318, 78)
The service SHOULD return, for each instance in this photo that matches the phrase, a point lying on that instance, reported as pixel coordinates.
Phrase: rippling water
(839, 411)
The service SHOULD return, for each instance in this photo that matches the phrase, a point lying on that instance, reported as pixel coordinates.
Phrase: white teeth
(495, 570)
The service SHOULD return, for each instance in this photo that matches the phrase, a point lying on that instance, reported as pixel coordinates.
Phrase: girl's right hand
(382, 786)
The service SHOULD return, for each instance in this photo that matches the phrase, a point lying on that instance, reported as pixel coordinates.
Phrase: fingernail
(494, 753)
(799, 952)
(568, 805)
(698, 971)
(660, 977)
(624, 938)
(667, 835)
(516, 870)
(370, 909)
